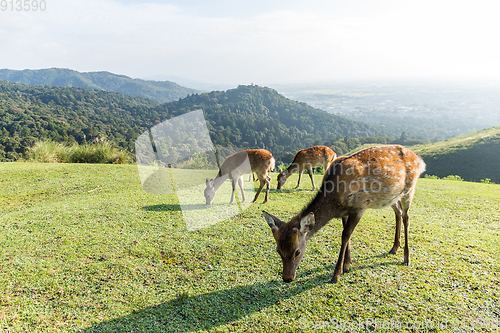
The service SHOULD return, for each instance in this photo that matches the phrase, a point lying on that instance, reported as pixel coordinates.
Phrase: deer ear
(307, 223)
(281, 169)
(273, 222)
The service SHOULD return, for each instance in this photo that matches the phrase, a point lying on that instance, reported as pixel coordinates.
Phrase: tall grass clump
(101, 152)
(48, 152)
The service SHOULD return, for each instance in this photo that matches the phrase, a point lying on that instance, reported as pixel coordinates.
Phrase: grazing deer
(261, 162)
(307, 159)
(375, 177)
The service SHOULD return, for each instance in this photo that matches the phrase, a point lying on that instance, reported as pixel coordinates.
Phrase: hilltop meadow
(85, 249)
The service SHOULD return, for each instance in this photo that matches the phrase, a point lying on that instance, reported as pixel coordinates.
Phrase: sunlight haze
(261, 42)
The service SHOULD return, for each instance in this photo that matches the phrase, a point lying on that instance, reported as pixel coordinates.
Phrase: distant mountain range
(195, 84)
(162, 91)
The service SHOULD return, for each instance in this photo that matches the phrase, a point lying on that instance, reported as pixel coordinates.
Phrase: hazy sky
(258, 41)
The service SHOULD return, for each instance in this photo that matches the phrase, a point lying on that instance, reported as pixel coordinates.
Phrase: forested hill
(162, 91)
(32, 113)
(245, 117)
(259, 117)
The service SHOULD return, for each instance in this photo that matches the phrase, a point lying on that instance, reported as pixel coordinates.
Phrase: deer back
(261, 160)
(314, 156)
(374, 177)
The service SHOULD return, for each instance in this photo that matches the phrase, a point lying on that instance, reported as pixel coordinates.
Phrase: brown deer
(375, 177)
(234, 167)
(307, 159)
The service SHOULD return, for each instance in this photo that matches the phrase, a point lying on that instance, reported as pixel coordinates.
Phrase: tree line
(244, 117)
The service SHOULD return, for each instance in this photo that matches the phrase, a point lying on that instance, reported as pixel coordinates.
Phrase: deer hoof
(333, 281)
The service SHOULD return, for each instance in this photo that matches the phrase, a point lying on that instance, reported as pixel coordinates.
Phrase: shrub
(101, 152)
(52, 152)
(455, 177)
(318, 170)
(47, 152)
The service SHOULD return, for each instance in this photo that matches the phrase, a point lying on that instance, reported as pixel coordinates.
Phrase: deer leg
(350, 224)
(300, 176)
(261, 186)
(233, 184)
(405, 205)
(325, 168)
(268, 183)
(310, 171)
(406, 223)
(398, 212)
(347, 257)
(240, 183)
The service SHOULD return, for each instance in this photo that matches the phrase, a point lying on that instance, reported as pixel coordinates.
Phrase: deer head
(291, 239)
(209, 191)
(281, 178)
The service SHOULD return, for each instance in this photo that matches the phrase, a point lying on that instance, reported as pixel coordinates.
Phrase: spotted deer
(261, 162)
(307, 159)
(375, 178)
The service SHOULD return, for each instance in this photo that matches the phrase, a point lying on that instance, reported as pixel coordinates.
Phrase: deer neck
(219, 180)
(324, 210)
(291, 169)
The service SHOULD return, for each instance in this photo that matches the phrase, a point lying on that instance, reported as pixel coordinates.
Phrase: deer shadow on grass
(163, 208)
(368, 262)
(281, 190)
(178, 207)
(206, 311)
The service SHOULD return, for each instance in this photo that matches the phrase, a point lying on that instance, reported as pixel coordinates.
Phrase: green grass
(84, 249)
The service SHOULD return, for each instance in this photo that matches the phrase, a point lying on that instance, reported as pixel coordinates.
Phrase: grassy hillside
(162, 91)
(85, 249)
(472, 156)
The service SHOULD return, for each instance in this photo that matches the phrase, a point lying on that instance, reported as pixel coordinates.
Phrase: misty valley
(425, 110)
